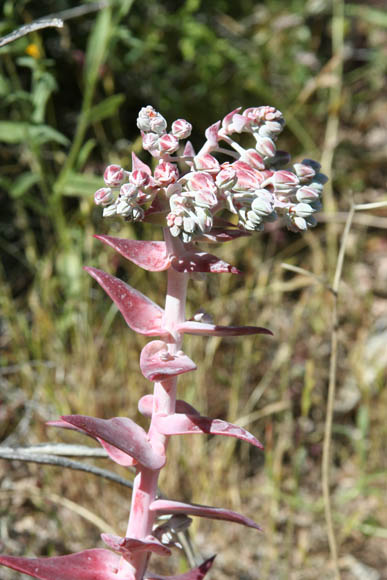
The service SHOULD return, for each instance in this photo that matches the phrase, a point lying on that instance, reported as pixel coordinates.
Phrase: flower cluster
(256, 184)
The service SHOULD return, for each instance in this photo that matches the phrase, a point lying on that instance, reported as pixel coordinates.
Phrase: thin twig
(304, 272)
(65, 449)
(373, 205)
(326, 458)
(371, 221)
(32, 27)
(62, 462)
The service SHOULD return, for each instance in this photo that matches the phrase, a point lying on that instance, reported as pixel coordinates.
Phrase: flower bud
(139, 178)
(166, 173)
(128, 191)
(123, 207)
(304, 172)
(137, 214)
(103, 196)
(303, 210)
(113, 175)
(307, 194)
(149, 141)
(263, 203)
(265, 146)
(109, 210)
(252, 158)
(150, 120)
(200, 180)
(206, 162)
(205, 198)
(226, 178)
(284, 181)
(181, 129)
(204, 219)
(168, 143)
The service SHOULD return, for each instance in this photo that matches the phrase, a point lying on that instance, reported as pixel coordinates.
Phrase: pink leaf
(164, 506)
(158, 365)
(114, 453)
(87, 565)
(138, 165)
(128, 546)
(151, 256)
(145, 406)
(192, 327)
(122, 433)
(202, 262)
(181, 424)
(212, 134)
(194, 574)
(117, 455)
(189, 151)
(139, 312)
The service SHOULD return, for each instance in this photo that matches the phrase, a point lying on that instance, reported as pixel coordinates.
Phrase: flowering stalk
(254, 188)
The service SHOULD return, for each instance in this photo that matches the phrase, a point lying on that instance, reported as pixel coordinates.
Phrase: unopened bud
(103, 196)
(168, 143)
(113, 175)
(181, 129)
(166, 173)
(206, 162)
(265, 146)
(226, 178)
(139, 178)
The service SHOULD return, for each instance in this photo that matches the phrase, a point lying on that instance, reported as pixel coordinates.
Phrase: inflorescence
(187, 189)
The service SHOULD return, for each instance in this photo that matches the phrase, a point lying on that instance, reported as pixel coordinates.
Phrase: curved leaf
(182, 424)
(122, 433)
(202, 262)
(96, 564)
(128, 546)
(164, 506)
(114, 453)
(157, 365)
(151, 256)
(192, 327)
(139, 312)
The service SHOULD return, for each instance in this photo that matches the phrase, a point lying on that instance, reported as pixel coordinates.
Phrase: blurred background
(68, 107)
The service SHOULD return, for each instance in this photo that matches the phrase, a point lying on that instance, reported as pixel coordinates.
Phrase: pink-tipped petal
(145, 406)
(164, 506)
(192, 327)
(123, 433)
(138, 165)
(139, 312)
(202, 262)
(194, 574)
(182, 424)
(157, 365)
(87, 565)
(151, 256)
(128, 546)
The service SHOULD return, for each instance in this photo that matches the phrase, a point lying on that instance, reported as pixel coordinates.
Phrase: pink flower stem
(141, 519)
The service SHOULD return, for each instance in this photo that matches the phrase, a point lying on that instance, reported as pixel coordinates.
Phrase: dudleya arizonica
(187, 190)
